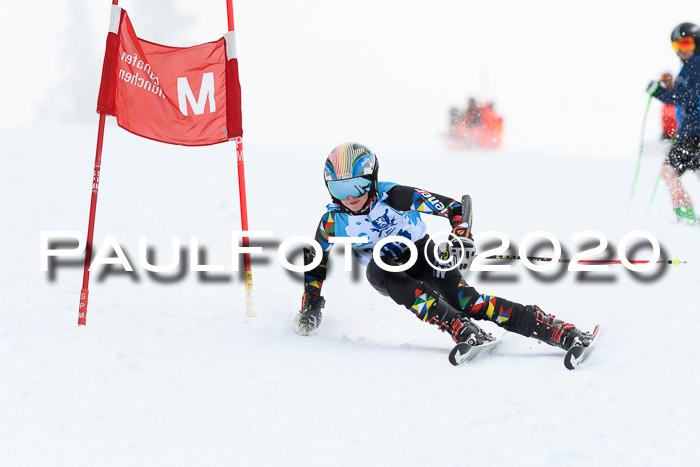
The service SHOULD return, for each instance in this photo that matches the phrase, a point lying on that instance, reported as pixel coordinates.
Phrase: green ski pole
(641, 143)
(653, 193)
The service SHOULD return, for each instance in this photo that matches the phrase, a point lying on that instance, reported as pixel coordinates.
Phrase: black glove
(309, 317)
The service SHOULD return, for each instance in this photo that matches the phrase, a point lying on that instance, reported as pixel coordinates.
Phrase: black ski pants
(409, 288)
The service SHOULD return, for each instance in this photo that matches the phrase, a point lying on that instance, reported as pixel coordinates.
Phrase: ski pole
(641, 145)
(674, 261)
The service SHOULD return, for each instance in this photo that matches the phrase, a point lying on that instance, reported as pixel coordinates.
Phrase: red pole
(250, 304)
(82, 308)
(229, 11)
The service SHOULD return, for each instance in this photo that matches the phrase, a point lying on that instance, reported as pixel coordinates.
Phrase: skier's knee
(668, 172)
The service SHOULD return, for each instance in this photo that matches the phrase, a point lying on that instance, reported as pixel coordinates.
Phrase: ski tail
(467, 213)
(577, 353)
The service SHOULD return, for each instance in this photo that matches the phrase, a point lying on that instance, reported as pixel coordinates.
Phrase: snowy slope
(171, 372)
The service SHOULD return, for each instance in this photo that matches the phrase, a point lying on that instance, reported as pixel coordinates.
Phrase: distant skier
(685, 150)
(472, 117)
(365, 207)
(455, 121)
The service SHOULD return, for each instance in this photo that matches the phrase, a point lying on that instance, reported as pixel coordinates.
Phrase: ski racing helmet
(686, 38)
(351, 170)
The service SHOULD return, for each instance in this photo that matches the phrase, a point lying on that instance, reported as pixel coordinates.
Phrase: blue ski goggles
(355, 187)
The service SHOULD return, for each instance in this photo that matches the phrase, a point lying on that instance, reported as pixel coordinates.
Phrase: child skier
(685, 150)
(365, 207)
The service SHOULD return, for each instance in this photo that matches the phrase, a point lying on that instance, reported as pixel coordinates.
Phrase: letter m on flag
(206, 95)
(189, 96)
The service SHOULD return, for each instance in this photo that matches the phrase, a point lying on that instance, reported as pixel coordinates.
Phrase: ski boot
(686, 215)
(558, 333)
(460, 327)
(464, 330)
(309, 317)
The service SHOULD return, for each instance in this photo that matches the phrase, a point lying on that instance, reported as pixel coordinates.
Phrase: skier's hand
(652, 87)
(462, 251)
(458, 252)
(309, 317)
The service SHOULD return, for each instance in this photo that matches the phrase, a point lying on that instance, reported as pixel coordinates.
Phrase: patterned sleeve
(406, 198)
(313, 280)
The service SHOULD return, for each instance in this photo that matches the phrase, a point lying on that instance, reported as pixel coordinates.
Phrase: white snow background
(171, 372)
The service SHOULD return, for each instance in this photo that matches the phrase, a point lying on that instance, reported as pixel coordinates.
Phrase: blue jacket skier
(365, 207)
(685, 150)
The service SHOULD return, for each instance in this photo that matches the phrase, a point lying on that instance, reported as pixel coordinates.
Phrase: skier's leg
(445, 299)
(527, 320)
(683, 155)
(424, 301)
(680, 199)
(478, 306)
(452, 286)
(535, 323)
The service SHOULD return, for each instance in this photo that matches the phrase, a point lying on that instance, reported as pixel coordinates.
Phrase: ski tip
(459, 353)
(574, 356)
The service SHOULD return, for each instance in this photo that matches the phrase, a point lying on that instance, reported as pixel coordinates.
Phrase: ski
(464, 352)
(577, 354)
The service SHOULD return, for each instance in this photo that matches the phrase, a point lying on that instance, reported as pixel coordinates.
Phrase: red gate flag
(179, 95)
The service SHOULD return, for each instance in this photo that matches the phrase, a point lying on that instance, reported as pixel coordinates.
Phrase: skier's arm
(313, 279)
(406, 198)
(683, 95)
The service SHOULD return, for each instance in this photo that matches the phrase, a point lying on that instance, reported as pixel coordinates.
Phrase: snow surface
(169, 370)
(176, 374)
